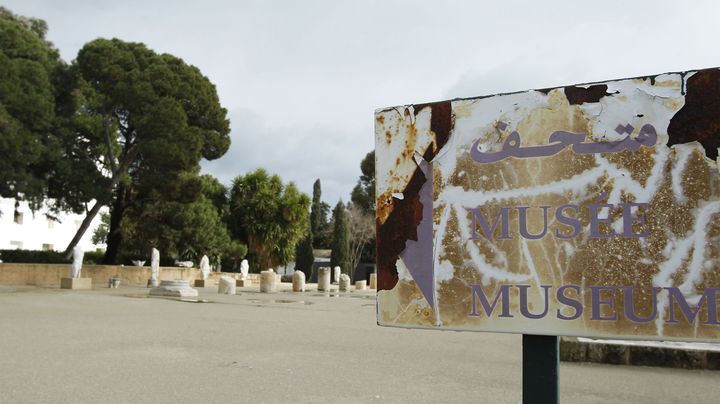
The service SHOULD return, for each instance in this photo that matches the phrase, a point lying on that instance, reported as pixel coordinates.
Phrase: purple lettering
(568, 221)
(677, 298)
(630, 306)
(524, 301)
(597, 303)
(477, 290)
(575, 304)
(487, 230)
(595, 221)
(522, 210)
(629, 219)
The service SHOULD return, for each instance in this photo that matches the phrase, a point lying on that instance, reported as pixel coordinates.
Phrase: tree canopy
(186, 225)
(268, 216)
(29, 65)
(363, 195)
(363, 198)
(159, 117)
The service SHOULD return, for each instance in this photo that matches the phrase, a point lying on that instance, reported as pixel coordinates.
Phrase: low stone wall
(50, 274)
(581, 350)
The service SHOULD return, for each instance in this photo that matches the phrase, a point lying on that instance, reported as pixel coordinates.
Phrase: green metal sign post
(540, 369)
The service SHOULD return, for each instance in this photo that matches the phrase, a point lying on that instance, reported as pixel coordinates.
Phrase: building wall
(29, 230)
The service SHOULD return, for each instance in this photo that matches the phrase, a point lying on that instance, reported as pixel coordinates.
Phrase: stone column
(154, 268)
(336, 275)
(298, 281)
(360, 285)
(344, 283)
(324, 279)
(267, 281)
(373, 280)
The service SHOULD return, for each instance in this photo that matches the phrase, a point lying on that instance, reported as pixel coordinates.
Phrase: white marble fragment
(205, 267)
(244, 268)
(175, 288)
(226, 286)
(344, 283)
(78, 255)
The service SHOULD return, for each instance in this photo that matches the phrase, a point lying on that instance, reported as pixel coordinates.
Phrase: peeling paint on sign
(588, 210)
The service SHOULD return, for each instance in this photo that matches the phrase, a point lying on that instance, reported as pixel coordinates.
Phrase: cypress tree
(318, 219)
(304, 257)
(340, 255)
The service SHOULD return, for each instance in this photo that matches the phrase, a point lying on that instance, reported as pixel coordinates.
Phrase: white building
(24, 229)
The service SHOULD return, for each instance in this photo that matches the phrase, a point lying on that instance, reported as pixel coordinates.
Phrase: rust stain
(400, 226)
(412, 137)
(698, 119)
(581, 95)
(441, 121)
(402, 221)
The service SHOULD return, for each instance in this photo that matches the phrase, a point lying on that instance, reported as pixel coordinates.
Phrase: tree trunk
(83, 227)
(114, 237)
(263, 256)
(129, 157)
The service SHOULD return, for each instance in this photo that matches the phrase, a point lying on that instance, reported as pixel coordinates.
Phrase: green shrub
(32, 256)
(93, 257)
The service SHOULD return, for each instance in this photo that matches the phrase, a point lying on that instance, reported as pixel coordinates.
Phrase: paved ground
(116, 346)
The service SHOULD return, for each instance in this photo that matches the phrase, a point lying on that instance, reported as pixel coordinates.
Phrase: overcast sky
(301, 79)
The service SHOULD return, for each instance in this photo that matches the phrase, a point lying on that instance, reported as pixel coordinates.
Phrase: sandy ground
(118, 346)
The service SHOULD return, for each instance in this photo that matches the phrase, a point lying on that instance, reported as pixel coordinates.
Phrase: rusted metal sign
(589, 210)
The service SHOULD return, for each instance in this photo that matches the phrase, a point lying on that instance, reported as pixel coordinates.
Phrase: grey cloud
(302, 78)
(297, 154)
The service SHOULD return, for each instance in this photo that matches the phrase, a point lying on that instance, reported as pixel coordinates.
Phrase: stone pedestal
(176, 288)
(152, 283)
(203, 283)
(113, 282)
(373, 281)
(226, 286)
(323, 279)
(241, 283)
(360, 285)
(267, 281)
(344, 283)
(298, 281)
(76, 283)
